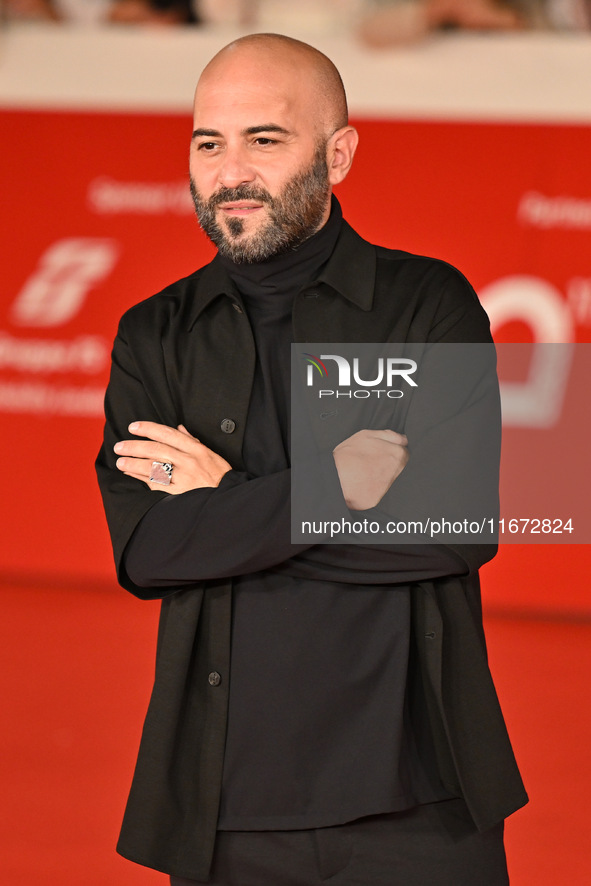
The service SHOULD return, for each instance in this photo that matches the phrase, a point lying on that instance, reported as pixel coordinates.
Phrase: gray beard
(294, 215)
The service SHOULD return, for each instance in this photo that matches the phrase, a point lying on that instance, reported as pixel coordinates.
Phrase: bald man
(319, 712)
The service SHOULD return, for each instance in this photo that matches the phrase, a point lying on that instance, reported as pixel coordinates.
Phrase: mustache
(242, 192)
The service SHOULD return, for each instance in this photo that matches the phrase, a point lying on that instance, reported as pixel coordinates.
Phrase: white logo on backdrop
(537, 402)
(52, 296)
(58, 287)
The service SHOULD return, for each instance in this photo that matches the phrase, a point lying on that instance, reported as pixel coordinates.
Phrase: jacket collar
(350, 272)
(351, 269)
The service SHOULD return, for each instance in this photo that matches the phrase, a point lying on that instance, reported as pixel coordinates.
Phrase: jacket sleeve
(244, 526)
(386, 563)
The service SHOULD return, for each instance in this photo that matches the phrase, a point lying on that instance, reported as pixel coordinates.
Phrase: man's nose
(236, 169)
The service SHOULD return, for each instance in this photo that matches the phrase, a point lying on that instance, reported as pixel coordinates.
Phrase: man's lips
(241, 207)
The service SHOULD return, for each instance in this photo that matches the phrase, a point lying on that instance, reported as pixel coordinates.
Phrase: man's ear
(340, 151)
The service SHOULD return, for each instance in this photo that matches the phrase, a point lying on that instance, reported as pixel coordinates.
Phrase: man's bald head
(314, 74)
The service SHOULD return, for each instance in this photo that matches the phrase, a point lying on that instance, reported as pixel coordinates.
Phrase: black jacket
(187, 356)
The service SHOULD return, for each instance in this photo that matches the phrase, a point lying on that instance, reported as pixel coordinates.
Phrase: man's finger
(386, 434)
(137, 467)
(150, 450)
(161, 433)
(390, 436)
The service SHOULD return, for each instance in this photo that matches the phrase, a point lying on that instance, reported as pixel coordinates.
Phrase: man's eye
(207, 146)
(262, 140)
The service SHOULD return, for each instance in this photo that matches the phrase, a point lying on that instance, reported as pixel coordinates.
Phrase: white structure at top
(533, 76)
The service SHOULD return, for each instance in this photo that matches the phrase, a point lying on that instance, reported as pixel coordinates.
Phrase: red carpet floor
(75, 673)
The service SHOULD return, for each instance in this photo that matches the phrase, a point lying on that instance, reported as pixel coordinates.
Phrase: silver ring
(161, 472)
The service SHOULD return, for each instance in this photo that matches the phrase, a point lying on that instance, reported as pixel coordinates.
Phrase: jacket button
(214, 679)
(430, 635)
(228, 426)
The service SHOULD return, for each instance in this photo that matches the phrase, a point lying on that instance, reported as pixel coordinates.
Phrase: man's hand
(368, 462)
(194, 465)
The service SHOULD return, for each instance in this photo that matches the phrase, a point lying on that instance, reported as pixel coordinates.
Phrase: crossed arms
(367, 463)
(227, 524)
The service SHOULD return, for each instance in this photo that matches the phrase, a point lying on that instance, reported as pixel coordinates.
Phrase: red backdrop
(97, 217)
